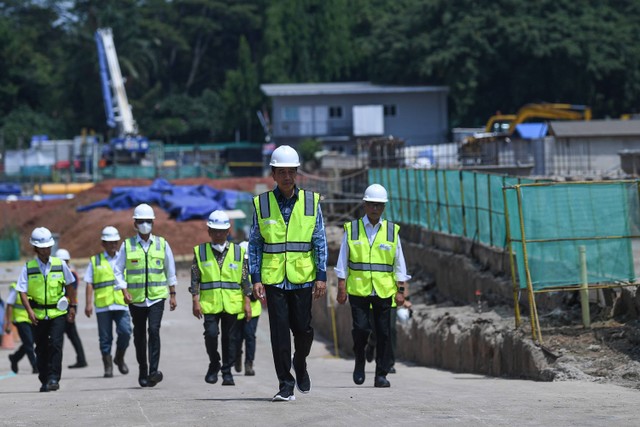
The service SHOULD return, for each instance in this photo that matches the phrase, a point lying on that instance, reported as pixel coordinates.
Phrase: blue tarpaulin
(532, 130)
(10, 188)
(182, 202)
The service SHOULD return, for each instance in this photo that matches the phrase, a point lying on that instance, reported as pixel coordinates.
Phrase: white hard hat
(375, 193)
(110, 234)
(245, 246)
(219, 220)
(285, 157)
(143, 211)
(403, 314)
(41, 238)
(63, 254)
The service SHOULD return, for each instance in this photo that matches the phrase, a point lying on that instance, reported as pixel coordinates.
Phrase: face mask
(218, 247)
(145, 227)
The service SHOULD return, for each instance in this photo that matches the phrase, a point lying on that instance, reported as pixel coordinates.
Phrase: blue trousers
(122, 320)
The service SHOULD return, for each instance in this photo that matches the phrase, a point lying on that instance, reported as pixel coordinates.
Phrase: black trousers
(49, 336)
(393, 334)
(289, 312)
(72, 333)
(141, 316)
(381, 308)
(228, 325)
(25, 330)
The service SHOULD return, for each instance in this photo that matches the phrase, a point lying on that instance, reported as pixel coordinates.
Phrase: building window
(390, 110)
(335, 112)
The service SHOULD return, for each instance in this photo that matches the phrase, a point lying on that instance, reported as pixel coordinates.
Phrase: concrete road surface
(418, 396)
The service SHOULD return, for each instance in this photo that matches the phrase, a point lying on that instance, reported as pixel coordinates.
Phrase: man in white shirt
(42, 285)
(150, 278)
(372, 271)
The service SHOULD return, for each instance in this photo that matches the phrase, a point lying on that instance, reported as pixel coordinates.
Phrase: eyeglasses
(142, 221)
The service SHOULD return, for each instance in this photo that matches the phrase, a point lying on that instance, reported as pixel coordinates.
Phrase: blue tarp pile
(7, 188)
(182, 202)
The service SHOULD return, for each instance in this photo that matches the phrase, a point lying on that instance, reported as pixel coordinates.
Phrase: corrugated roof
(350, 88)
(568, 129)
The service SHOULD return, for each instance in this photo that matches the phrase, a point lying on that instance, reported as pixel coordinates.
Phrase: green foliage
(308, 148)
(193, 67)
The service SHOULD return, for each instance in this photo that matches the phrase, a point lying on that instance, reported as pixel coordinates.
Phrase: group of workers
(283, 265)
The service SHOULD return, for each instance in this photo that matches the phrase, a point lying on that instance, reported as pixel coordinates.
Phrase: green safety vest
(19, 314)
(103, 281)
(45, 292)
(145, 274)
(371, 266)
(287, 248)
(220, 289)
(256, 310)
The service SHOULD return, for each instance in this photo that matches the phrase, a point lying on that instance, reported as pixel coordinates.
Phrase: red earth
(79, 232)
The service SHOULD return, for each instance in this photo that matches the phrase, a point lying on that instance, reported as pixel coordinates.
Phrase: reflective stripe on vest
(371, 266)
(220, 289)
(45, 292)
(145, 274)
(19, 314)
(103, 281)
(287, 249)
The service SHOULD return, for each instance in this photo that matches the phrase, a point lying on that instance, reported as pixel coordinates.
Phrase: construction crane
(128, 144)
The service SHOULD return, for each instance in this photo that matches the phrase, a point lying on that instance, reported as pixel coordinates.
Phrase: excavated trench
(451, 327)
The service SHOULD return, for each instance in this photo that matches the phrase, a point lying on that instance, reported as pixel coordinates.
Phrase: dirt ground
(607, 352)
(79, 232)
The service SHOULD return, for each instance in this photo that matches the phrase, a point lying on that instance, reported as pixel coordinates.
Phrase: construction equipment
(128, 146)
(501, 127)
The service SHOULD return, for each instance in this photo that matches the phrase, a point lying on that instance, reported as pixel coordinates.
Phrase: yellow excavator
(502, 126)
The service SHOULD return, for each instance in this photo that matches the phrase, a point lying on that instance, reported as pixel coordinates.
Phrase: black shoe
(143, 380)
(78, 365)
(284, 396)
(369, 352)
(44, 388)
(53, 385)
(211, 377)
(381, 381)
(392, 370)
(358, 373)
(303, 382)
(155, 378)
(14, 363)
(227, 379)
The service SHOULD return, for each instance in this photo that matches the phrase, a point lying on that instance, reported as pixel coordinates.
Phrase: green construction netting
(552, 222)
(462, 203)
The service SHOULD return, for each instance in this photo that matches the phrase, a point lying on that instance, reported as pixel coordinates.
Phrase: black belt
(36, 305)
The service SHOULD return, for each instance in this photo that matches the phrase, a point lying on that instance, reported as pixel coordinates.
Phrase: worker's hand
(127, 296)
(342, 296)
(399, 299)
(196, 309)
(407, 303)
(32, 317)
(320, 289)
(71, 315)
(258, 291)
(88, 311)
(7, 329)
(172, 303)
(247, 309)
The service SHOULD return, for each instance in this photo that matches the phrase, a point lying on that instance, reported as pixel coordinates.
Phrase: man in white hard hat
(288, 265)
(372, 271)
(149, 266)
(111, 309)
(220, 291)
(70, 330)
(42, 285)
(247, 330)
